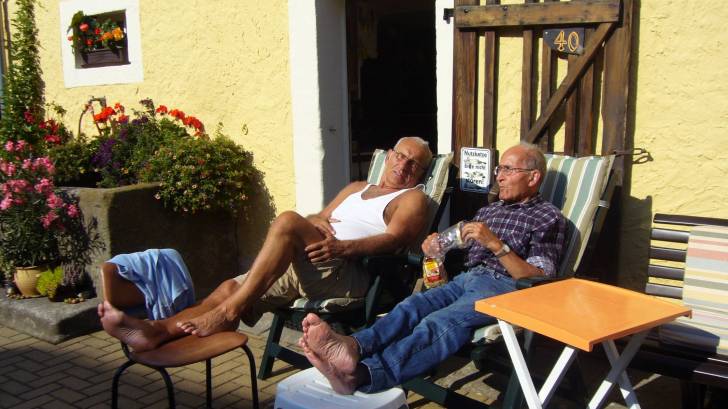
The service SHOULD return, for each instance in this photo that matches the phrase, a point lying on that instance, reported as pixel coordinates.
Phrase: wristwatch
(503, 251)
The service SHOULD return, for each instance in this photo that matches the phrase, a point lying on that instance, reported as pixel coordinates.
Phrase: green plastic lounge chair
(346, 314)
(582, 188)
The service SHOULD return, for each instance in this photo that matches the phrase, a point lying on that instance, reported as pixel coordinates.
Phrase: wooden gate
(596, 81)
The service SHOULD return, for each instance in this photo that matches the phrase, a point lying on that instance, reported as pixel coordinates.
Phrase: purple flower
(104, 154)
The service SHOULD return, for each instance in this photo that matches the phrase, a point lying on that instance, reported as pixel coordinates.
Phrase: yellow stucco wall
(223, 61)
(680, 118)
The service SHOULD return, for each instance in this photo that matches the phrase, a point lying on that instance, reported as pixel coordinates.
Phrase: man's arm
(407, 219)
(514, 264)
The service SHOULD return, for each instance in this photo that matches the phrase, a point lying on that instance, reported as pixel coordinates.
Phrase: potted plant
(99, 42)
(34, 217)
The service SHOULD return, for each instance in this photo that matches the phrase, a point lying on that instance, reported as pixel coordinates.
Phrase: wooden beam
(571, 113)
(528, 80)
(617, 62)
(570, 81)
(548, 85)
(588, 105)
(465, 94)
(490, 86)
(537, 14)
(465, 56)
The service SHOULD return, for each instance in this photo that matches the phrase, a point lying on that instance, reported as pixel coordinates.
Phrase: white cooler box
(309, 389)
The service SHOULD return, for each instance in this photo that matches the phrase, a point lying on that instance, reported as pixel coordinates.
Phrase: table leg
(557, 374)
(519, 365)
(617, 373)
(625, 386)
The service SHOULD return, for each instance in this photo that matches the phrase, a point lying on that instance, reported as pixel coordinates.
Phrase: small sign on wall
(476, 168)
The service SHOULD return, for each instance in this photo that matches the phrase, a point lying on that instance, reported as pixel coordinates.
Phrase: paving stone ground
(77, 374)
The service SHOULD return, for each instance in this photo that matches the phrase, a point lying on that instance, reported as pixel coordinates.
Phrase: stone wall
(130, 219)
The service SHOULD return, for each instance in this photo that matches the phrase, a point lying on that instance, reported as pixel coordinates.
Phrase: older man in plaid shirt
(519, 236)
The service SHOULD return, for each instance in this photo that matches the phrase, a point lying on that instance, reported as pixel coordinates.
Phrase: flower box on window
(99, 40)
(104, 57)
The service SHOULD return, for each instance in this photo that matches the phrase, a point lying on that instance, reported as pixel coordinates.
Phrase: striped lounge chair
(689, 264)
(582, 189)
(346, 314)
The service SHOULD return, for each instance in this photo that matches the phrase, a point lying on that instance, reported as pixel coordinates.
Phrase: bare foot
(335, 355)
(211, 322)
(140, 335)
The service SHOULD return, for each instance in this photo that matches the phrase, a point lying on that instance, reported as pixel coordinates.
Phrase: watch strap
(503, 251)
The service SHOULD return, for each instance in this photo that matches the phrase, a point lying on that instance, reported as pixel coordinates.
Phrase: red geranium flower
(83, 27)
(162, 109)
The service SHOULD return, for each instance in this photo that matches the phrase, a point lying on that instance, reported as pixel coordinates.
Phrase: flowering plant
(89, 34)
(159, 144)
(34, 217)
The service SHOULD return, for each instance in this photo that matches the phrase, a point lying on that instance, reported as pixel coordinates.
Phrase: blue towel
(162, 276)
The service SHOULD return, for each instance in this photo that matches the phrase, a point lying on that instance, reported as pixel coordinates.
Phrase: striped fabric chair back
(576, 186)
(705, 290)
(435, 179)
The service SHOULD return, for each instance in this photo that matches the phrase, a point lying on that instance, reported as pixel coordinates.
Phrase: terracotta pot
(26, 279)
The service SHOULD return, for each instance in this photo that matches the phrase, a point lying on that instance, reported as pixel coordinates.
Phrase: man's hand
(326, 249)
(431, 247)
(322, 224)
(482, 234)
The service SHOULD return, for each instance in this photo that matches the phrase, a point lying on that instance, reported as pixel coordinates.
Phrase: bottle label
(432, 272)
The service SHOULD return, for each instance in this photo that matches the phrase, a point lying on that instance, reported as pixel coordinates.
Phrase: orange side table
(580, 314)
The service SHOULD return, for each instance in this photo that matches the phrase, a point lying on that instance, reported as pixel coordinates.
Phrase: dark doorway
(391, 75)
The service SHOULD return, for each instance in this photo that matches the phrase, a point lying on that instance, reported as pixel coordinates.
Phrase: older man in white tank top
(312, 256)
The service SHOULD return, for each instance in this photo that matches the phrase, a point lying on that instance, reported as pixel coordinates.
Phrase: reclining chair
(346, 315)
(582, 188)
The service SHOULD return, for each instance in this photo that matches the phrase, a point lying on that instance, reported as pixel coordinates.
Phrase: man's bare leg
(336, 356)
(287, 237)
(143, 335)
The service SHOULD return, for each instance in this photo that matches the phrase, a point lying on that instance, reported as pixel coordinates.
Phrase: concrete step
(52, 322)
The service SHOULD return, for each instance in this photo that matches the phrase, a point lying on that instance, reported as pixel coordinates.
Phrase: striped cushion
(435, 178)
(705, 290)
(576, 185)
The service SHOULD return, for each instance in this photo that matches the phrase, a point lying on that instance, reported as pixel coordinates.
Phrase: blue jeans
(426, 328)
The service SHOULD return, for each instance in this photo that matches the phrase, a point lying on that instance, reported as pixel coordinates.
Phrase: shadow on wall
(621, 256)
(255, 219)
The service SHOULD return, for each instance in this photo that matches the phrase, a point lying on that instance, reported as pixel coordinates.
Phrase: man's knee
(286, 222)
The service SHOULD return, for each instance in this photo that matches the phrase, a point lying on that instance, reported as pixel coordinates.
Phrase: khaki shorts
(337, 278)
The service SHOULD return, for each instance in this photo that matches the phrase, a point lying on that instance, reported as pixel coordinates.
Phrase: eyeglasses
(508, 171)
(401, 157)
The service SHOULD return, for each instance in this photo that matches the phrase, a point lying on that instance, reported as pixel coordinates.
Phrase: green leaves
(199, 174)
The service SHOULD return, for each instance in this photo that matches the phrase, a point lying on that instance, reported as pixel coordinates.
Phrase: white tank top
(359, 218)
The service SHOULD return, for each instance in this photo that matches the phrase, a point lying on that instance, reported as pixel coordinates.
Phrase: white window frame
(118, 74)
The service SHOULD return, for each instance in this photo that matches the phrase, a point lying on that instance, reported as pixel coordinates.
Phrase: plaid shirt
(534, 230)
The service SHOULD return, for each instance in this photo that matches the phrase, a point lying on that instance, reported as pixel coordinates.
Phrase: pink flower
(8, 168)
(54, 139)
(9, 146)
(44, 186)
(20, 145)
(72, 210)
(27, 164)
(53, 201)
(44, 162)
(28, 117)
(17, 185)
(6, 203)
(48, 219)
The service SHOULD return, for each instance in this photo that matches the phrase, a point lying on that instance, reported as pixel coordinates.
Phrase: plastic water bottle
(433, 268)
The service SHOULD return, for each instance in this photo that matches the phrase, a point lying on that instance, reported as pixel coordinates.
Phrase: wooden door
(596, 81)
